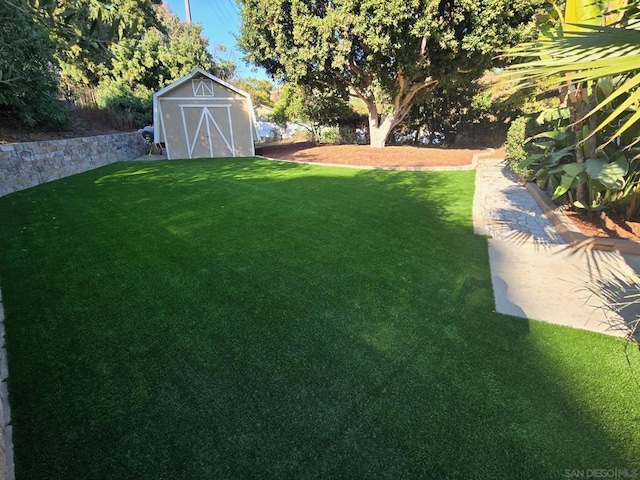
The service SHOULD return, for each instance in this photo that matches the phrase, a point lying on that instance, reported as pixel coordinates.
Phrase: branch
(423, 47)
(354, 68)
(429, 81)
(358, 93)
(402, 101)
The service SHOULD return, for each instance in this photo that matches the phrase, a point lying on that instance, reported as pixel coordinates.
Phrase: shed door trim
(208, 120)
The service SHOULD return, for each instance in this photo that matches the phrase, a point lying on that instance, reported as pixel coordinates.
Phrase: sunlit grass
(249, 319)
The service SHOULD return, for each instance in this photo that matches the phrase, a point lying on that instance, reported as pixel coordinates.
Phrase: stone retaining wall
(24, 165)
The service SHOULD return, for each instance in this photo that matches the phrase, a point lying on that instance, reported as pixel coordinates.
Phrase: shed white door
(208, 130)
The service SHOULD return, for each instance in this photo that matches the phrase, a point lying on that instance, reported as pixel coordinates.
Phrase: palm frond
(584, 55)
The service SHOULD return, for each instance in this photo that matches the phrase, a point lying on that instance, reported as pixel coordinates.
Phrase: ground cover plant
(252, 319)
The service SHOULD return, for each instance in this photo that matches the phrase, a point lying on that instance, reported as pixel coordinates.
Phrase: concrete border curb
(571, 234)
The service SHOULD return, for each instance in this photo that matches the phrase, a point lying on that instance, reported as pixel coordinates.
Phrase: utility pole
(187, 9)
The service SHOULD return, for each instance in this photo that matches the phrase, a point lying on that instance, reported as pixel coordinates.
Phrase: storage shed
(201, 116)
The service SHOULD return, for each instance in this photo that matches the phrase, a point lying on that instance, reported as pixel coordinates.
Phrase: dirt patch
(13, 135)
(364, 155)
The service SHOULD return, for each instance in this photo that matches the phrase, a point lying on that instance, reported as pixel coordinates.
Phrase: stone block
(4, 464)
(4, 366)
(4, 370)
(4, 399)
(8, 441)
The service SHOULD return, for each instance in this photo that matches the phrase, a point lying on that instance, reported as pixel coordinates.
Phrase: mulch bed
(605, 225)
(364, 155)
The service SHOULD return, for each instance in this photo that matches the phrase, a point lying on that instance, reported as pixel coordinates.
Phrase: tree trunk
(581, 190)
(379, 131)
(381, 125)
(632, 209)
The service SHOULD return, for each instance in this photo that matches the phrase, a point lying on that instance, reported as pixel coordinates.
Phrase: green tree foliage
(45, 40)
(140, 66)
(161, 55)
(465, 110)
(184, 47)
(83, 30)
(385, 53)
(311, 108)
(120, 97)
(125, 49)
(28, 83)
(441, 111)
(259, 89)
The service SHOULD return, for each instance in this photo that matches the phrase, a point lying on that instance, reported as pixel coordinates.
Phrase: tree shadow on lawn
(260, 320)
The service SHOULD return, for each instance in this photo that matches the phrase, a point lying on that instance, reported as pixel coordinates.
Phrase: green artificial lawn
(248, 319)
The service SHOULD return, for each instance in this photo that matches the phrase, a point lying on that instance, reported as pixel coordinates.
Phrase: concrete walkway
(536, 275)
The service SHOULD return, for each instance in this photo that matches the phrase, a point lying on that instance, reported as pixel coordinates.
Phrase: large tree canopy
(384, 52)
(83, 29)
(40, 40)
(161, 55)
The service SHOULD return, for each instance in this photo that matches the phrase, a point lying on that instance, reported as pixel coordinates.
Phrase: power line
(234, 7)
(223, 15)
(232, 13)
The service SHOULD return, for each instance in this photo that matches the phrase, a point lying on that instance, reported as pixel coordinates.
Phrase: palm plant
(584, 56)
(593, 58)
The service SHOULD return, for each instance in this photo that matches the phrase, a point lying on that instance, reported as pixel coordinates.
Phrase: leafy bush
(28, 82)
(314, 109)
(329, 135)
(354, 135)
(120, 97)
(592, 178)
(516, 147)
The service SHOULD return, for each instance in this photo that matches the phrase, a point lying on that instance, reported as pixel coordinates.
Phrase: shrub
(329, 135)
(118, 96)
(516, 147)
(354, 135)
(28, 82)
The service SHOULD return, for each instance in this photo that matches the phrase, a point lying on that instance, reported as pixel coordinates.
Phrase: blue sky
(220, 20)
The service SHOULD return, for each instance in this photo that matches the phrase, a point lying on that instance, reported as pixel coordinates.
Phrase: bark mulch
(364, 155)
